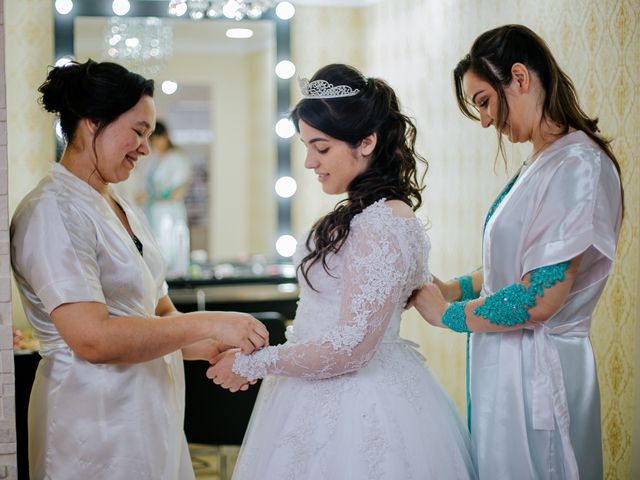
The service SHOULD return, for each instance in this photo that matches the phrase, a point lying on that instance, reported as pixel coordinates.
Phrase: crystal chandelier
(232, 9)
(142, 44)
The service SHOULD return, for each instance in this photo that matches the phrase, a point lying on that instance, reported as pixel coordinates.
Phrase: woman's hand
(240, 330)
(430, 303)
(222, 374)
(206, 349)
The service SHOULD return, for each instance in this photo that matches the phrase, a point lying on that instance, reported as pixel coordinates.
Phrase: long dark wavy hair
(392, 172)
(491, 57)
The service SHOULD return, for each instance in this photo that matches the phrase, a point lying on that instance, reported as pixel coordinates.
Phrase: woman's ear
(521, 76)
(368, 144)
(91, 126)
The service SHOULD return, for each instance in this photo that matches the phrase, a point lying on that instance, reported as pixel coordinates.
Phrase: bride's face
(335, 162)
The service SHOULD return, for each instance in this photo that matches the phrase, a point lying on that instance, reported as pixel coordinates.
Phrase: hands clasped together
(243, 334)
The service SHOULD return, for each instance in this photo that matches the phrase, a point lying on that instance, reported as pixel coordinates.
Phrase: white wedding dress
(346, 397)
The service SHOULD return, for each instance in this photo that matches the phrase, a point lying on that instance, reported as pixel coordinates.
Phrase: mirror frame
(64, 43)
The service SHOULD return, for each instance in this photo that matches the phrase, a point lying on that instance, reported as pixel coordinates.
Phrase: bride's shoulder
(384, 213)
(399, 208)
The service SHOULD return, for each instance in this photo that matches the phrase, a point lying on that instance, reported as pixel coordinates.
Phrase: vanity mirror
(222, 114)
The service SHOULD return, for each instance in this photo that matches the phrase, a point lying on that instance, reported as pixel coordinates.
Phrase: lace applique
(454, 317)
(466, 287)
(376, 271)
(509, 306)
(498, 200)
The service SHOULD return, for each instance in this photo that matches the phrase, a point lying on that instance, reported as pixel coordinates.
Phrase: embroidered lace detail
(498, 200)
(454, 317)
(466, 287)
(256, 367)
(338, 330)
(509, 306)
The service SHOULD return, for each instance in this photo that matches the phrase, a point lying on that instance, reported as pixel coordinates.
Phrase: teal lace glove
(454, 317)
(509, 306)
(466, 287)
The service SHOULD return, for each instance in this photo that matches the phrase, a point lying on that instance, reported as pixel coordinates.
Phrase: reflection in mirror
(221, 115)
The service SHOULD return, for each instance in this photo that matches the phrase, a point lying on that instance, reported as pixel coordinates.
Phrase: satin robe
(94, 421)
(535, 402)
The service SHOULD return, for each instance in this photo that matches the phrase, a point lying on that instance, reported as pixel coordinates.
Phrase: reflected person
(167, 178)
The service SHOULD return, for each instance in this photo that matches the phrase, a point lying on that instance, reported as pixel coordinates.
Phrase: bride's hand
(222, 374)
(430, 303)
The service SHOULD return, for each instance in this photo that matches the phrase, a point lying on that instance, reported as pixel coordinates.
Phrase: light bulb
(64, 6)
(169, 87)
(285, 128)
(286, 187)
(120, 7)
(286, 245)
(285, 69)
(285, 10)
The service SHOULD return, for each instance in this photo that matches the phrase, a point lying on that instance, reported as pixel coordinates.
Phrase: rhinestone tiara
(322, 89)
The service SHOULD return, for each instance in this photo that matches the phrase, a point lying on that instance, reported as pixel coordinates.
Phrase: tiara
(323, 89)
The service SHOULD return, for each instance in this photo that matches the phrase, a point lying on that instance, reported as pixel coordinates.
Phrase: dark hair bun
(101, 91)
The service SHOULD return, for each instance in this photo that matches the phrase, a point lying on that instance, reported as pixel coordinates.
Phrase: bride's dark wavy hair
(392, 172)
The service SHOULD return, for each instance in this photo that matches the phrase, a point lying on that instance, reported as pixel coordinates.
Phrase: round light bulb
(181, 9)
(230, 9)
(64, 6)
(285, 10)
(286, 245)
(169, 87)
(285, 69)
(285, 128)
(286, 187)
(120, 7)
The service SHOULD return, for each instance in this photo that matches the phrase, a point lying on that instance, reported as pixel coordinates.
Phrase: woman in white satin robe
(548, 248)
(108, 397)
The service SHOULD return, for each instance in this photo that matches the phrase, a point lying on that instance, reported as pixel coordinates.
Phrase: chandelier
(142, 44)
(232, 9)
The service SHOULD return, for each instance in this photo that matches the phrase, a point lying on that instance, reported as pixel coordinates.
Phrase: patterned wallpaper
(31, 147)
(414, 44)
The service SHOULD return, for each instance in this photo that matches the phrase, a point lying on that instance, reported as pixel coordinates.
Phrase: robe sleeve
(579, 212)
(54, 249)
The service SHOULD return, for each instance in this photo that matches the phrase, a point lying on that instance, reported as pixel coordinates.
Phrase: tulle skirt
(388, 420)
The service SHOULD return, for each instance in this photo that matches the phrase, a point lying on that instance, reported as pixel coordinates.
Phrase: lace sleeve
(373, 274)
(511, 306)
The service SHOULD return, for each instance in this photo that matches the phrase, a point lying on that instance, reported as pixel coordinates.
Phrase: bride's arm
(374, 272)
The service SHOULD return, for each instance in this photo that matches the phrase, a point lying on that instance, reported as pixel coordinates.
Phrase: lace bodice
(357, 304)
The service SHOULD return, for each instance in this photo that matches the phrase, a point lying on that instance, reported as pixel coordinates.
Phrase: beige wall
(414, 44)
(31, 146)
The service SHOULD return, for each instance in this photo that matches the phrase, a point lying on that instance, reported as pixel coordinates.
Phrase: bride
(345, 397)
